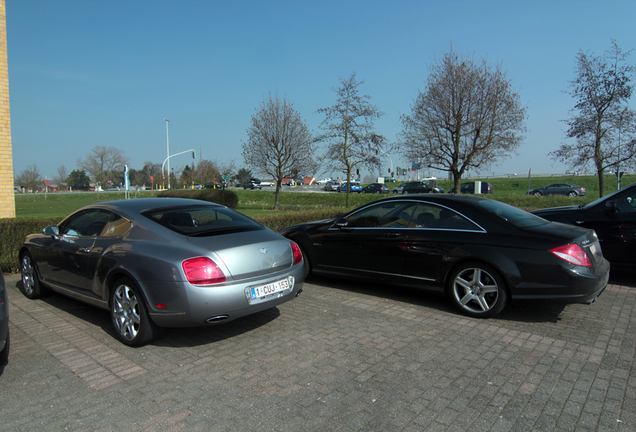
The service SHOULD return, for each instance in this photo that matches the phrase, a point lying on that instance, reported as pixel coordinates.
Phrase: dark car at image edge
(480, 252)
(4, 324)
(613, 217)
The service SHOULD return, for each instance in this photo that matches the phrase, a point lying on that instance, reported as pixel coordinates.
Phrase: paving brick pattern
(341, 357)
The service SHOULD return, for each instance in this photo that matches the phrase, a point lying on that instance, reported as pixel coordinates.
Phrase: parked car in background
(613, 217)
(251, 183)
(323, 181)
(332, 185)
(398, 189)
(4, 323)
(162, 262)
(376, 188)
(420, 187)
(482, 253)
(213, 185)
(267, 183)
(469, 188)
(355, 187)
(568, 189)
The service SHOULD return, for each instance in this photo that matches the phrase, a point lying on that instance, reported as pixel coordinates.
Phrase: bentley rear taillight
(202, 271)
(298, 255)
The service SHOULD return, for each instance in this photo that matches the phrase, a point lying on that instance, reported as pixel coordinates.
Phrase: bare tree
(601, 122)
(206, 171)
(468, 117)
(348, 131)
(150, 174)
(101, 163)
(227, 171)
(61, 176)
(279, 142)
(29, 178)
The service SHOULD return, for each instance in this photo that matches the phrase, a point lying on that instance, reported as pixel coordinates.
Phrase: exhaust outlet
(216, 319)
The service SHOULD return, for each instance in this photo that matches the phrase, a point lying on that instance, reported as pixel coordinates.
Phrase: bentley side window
(88, 223)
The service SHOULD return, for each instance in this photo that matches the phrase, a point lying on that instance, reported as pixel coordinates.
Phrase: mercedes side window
(393, 214)
(436, 217)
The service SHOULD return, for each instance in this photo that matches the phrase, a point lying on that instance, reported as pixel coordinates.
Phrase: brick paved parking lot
(341, 357)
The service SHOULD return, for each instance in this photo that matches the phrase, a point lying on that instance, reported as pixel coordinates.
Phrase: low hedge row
(13, 231)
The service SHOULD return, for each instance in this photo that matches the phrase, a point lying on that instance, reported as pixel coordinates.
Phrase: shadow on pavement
(521, 311)
(174, 337)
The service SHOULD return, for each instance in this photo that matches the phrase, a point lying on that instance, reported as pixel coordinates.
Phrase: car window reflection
(410, 215)
(432, 216)
(89, 223)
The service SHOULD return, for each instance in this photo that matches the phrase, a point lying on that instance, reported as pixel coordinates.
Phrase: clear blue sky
(85, 72)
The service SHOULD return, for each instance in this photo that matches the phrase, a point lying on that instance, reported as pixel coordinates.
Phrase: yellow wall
(7, 199)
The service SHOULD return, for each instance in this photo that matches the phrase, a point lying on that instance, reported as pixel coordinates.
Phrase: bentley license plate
(269, 289)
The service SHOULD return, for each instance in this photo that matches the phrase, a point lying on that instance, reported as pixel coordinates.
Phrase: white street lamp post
(176, 154)
(167, 151)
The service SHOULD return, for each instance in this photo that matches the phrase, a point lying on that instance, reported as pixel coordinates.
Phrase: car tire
(31, 286)
(4, 355)
(537, 193)
(573, 194)
(405, 192)
(477, 290)
(129, 315)
(364, 192)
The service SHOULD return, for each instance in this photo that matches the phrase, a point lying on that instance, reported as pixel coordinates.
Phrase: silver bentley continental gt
(163, 262)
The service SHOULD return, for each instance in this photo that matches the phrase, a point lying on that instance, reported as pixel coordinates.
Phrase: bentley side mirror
(52, 231)
(610, 206)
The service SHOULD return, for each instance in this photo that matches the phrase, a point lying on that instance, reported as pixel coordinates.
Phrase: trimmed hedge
(281, 220)
(13, 233)
(15, 230)
(224, 197)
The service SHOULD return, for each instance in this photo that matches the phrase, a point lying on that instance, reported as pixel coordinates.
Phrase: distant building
(51, 187)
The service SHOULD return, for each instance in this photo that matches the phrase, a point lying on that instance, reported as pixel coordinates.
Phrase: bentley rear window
(202, 220)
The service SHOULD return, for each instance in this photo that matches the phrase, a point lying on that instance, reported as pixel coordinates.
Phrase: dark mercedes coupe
(481, 252)
(163, 262)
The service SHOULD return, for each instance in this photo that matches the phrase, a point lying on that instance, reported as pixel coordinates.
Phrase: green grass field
(257, 203)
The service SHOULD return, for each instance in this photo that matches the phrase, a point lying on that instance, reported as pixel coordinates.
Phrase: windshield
(202, 220)
(507, 213)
